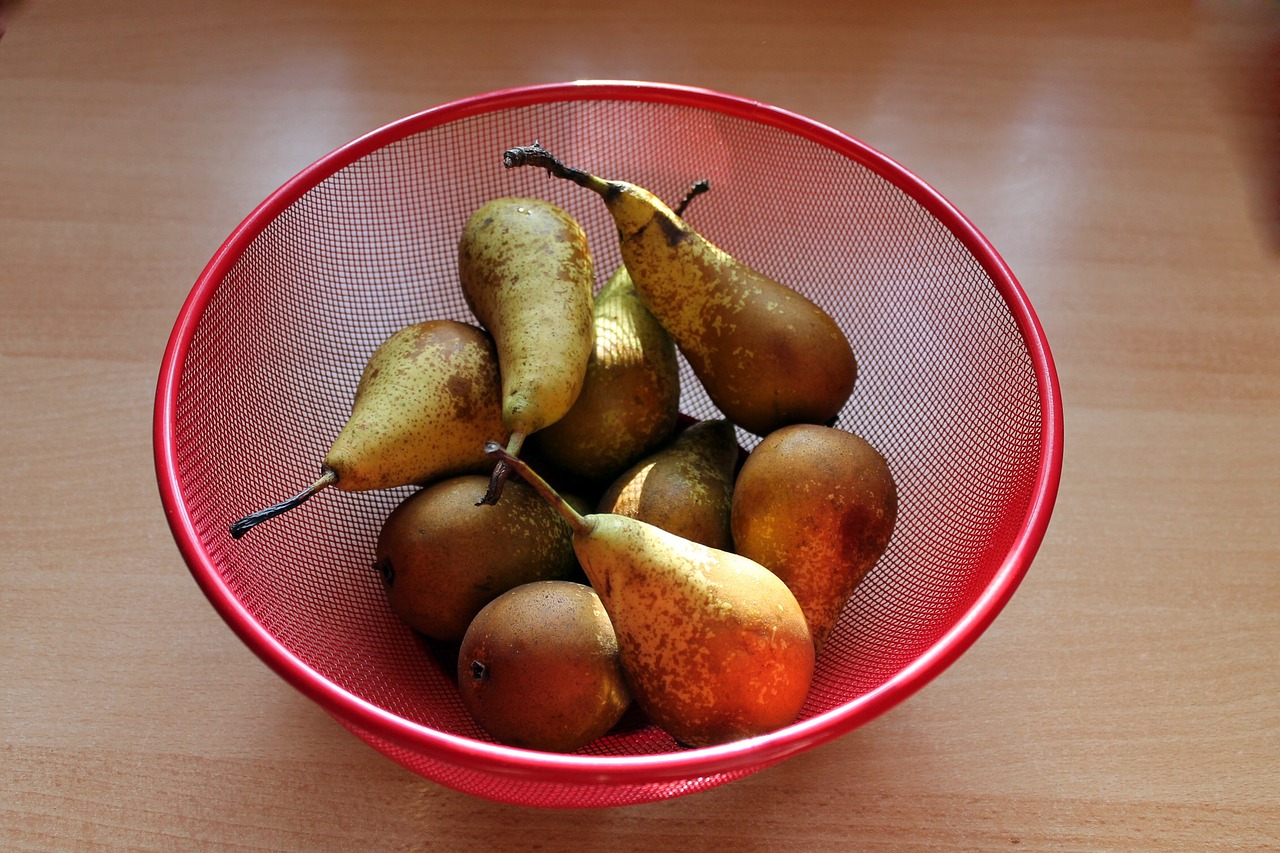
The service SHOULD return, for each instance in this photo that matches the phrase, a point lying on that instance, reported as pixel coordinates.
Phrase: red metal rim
(514, 763)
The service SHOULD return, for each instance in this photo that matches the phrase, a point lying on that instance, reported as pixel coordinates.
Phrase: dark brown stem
(497, 480)
(541, 486)
(539, 157)
(252, 520)
(694, 191)
(536, 155)
(501, 471)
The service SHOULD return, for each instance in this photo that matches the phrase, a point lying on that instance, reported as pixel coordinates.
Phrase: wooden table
(1123, 157)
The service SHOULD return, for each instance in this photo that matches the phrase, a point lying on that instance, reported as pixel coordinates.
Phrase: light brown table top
(1122, 156)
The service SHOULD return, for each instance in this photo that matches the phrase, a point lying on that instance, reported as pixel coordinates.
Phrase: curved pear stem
(501, 471)
(252, 520)
(575, 519)
(696, 190)
(536, 155)
(539, 157)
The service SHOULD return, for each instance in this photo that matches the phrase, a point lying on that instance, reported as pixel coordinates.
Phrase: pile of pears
(585, 548)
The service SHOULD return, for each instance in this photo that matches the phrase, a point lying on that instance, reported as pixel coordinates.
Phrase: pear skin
(630, 398)
(714, 645)
(538, 668)
(423, 397)
(686, 487)
(526, 273)
(766, 355)
(428, 397)
(442, 558)
(817, 506)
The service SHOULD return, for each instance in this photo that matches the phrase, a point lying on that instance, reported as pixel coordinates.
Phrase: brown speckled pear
(766, 355)
(527, 275)
(424, 396)
(714, 645)
(538, 668)
(442, 558)
(686, 487)
(427, 401)
(817, 506)
(630, 398)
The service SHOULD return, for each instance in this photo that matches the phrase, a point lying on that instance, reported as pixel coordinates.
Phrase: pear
(686, 488)
(817, 506)
(526, 273)
(714, 645)
(766, 355)
(630, 398)
(428, 397)
(443, 558)
(538, 667)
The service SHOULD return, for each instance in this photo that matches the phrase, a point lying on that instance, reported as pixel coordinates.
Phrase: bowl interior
(947, 390)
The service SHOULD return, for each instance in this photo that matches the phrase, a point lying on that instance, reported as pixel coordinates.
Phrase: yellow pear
(428, 398)
(526, 274)
(686, 487)
(630, 398)
(766, 355)
(715, 646)
(817, 506)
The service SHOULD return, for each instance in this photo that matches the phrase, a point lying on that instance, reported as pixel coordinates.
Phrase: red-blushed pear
(714, 646)
(817, 506)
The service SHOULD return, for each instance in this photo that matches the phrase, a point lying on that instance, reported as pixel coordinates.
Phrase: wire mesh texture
(956, 388)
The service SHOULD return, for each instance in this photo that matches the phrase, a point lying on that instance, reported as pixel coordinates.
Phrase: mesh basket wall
(947, 390)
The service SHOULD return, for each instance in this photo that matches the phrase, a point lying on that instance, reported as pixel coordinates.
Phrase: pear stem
(501, 471)
(536, 155)
(252, 520)
(694, 191)
(580, 525)
(539, 157)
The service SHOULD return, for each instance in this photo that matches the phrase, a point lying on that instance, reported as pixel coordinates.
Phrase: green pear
(714, 645)
(817, 506)
(766, 355)
(443, 558)
(686, 487)
(630, 398)
(526, 273)
(538, 667)
(428, 397)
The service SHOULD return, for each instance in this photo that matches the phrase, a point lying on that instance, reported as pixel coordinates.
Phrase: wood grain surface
(1124, 158)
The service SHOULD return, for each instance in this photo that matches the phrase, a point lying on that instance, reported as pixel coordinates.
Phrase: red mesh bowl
(957, 388)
